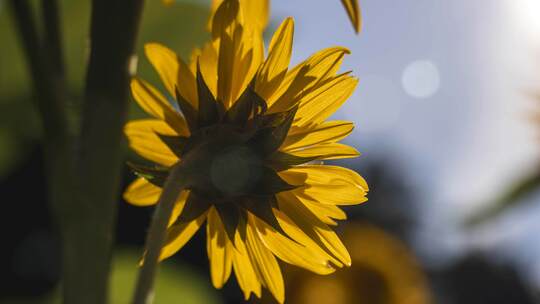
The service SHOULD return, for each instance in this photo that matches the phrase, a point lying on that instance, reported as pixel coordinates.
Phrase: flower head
(251, 134)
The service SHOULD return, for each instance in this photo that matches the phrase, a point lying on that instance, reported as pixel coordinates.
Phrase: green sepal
(208, 113)
(282, 161)
(155, 175)
(189, 112)
(269, 183)
(230, 217)
(261, 207)
(175, 143)
(193, 208)
(248, 105)
(274, 131)
(242, 224)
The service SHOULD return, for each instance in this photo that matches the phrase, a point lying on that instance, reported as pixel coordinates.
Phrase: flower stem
(174, 184)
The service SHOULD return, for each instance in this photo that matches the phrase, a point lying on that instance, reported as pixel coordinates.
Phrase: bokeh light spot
(420, 79)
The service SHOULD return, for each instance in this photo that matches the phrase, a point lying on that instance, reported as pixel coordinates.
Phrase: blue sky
(469, 141)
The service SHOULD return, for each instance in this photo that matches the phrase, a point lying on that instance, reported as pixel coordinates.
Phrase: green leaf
(514, 196)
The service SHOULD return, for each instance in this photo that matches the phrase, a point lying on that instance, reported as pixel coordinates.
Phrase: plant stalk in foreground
(174, 184)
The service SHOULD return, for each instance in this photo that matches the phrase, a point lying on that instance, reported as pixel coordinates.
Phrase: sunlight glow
(526, 15)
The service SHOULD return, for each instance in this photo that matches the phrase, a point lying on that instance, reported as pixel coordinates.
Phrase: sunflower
(251, 134)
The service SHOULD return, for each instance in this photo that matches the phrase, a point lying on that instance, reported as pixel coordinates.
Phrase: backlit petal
(327, 184)
(165, 62)
(353, 11)
(239, 52)
(143, 139)
(155, 104)
(142, 193)
(178, 207)
(289, 251)
(220, 250)
(187, 87)
(326, 151)
(265, 264)
(326, 213)
(256, 12)
(275, 67)
(178, 235)
(317, 68)
(327, 132)
(312, 226)
(208, 61)
(324, 100)
(243, 269)
(304, 239)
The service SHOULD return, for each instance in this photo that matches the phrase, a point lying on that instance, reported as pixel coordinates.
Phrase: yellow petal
(143, 139)
(265, 264)
(178, 206)
(275, 67)
(165, 61)
(256, 12)
(302, 238)
(178, 235)
(326, 151)
(317, 68)
(312, 226)
(220, 250)
(142, 193)
(324, 100)
(187, 86)
(243, 269)
(353, 11)
(173, 71)
(326, 213)
(289, 251)
(327, 132)
(250, 55)
(156, 105)
(238, 52)
(227, 29)
(208, 61)
(331, 185)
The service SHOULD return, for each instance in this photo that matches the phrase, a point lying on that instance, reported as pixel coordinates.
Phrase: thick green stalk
(114, 28)
(83, 177)
(46, 70)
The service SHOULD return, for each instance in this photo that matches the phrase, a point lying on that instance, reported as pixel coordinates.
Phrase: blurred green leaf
(176, 283)
(514, 196)
(181, 27)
